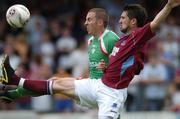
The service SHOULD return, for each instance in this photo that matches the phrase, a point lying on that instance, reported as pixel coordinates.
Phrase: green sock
(20, 92)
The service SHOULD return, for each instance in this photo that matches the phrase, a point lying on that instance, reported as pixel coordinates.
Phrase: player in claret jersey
(126, 60)
(128, 55)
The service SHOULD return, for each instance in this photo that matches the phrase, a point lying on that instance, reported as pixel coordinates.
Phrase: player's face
(124, 22)
(91, 23)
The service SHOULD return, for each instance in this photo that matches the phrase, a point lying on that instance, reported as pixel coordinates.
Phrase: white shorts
(93, 93)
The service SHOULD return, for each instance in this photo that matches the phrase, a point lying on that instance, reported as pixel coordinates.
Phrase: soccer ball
(17, 16)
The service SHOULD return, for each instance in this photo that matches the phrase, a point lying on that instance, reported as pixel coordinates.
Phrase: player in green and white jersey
(99, 50)
(101, 41)
(100, 47)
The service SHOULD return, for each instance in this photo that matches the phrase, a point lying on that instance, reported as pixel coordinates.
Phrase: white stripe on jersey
(102, 42)
(114, 34)
(90, 40)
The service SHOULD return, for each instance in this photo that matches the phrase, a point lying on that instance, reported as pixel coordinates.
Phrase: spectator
(47, 49)
(154, 76)
(61, 102)
(79, 60)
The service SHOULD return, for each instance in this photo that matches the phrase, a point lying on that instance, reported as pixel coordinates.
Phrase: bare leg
(64, 86)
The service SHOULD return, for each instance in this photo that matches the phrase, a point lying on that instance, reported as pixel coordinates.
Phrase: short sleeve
(110, 42)
(144, 34)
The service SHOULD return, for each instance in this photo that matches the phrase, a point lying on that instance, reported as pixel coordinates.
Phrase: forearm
(160, 17)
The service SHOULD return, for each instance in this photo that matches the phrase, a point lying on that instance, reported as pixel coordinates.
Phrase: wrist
(169, 5)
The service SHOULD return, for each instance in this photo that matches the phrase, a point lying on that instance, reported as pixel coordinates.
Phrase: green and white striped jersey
(99, 49)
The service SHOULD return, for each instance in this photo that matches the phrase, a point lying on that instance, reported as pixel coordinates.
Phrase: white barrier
(135, 115)
(88, 115)
(18, 115)
(148, 115)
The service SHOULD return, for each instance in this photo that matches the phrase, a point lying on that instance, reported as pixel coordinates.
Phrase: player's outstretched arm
(162, 15)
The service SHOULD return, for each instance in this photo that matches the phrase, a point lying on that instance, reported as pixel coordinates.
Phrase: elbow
(154, 26)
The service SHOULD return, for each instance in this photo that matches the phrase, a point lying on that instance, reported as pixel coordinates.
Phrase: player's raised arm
(161, 16)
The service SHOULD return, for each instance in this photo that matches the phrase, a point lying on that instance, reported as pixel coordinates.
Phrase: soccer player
(101, 42)
(100, 45)
(127, 59)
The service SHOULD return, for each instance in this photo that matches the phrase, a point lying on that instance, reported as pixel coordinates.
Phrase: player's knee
(58, 85)
(63, 86)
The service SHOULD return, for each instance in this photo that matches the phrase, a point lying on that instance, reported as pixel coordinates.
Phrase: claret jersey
(127, 58)
(99, 49)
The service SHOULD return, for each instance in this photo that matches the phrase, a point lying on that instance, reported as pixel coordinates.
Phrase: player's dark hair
(138, 12)
(101, 14)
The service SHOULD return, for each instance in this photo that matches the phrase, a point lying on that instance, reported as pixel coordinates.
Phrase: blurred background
(54, 43)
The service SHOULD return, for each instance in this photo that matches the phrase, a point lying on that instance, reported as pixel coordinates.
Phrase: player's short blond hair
(101, 14)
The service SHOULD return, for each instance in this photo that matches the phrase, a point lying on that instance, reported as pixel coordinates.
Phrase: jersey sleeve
(143, 34)
(110, 41)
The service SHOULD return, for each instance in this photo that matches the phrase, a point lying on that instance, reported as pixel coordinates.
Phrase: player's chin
(123, 30)
(120, 28)
(89, 32)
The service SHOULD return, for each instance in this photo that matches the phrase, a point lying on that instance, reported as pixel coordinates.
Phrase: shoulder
(146, 28)
(110, 33)
(109, 36)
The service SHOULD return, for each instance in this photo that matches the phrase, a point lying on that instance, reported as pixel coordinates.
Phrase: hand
(173, 3)
(101, 65)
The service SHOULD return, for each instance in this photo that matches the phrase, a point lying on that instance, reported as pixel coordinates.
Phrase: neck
(99, 33)
(131, 29)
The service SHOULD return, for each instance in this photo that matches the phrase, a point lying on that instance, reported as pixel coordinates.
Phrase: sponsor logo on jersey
(93, 50)
(115, 50)
(93, 64)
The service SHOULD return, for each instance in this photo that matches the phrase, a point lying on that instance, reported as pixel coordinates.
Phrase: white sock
(50, 87)
(21, 82)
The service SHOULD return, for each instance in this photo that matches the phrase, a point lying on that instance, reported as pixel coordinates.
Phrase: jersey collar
(104, 33)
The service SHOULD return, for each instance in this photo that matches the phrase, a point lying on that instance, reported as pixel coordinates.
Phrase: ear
(100, 22)
(133, 21)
